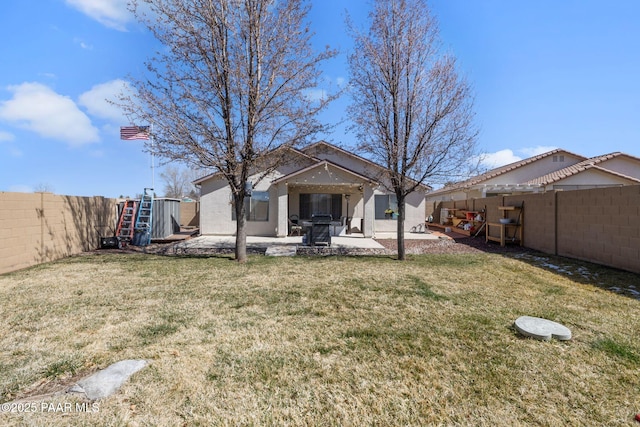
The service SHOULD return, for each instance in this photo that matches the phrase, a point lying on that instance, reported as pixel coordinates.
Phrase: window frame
(391, 203)
(251, 204)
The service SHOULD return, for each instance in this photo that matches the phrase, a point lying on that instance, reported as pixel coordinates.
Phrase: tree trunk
(400, 231)
(241, 230)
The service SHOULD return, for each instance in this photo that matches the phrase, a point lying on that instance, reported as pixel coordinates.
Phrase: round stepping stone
(541, 329)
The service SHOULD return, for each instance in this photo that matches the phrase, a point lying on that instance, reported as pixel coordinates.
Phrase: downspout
(555, 223)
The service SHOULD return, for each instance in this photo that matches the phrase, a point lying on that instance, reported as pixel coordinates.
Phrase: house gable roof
(501, 170)
(323, 164)
(585, 165)
(308, 153)
(381, 169)
(218, 175)
(315, 145)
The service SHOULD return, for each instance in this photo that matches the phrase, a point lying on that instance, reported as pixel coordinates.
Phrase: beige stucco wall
(284, 196)
(352, 163)
(415, 209)
(216, 208)
(43, 227)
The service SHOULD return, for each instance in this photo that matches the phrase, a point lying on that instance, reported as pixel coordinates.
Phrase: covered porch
(343, 203)
(329, 190)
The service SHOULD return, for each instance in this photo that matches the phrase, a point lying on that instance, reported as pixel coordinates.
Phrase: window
(318, 203)
(386, 206)
(256, 207)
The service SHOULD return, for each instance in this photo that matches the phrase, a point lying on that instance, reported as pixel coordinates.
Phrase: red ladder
(124, 232)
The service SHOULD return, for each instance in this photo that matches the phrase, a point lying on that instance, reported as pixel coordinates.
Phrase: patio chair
(294, 227)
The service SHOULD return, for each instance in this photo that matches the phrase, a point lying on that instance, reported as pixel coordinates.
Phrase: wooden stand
(459, 218)
(515, 226)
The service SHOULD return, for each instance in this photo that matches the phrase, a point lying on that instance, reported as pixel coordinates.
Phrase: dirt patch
(456, 245)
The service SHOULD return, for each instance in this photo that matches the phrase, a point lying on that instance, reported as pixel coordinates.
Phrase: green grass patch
(618, 349)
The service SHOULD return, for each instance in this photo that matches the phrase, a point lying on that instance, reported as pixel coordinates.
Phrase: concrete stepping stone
(541, 329)
(281, 251)
(106, 382)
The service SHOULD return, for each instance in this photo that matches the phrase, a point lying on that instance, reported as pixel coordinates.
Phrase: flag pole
(153, 174)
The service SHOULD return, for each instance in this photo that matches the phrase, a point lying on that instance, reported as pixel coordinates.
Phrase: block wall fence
(598, 225)
(43, 227)
(190, 214)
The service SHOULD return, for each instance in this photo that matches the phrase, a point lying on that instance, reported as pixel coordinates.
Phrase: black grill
(320, 224)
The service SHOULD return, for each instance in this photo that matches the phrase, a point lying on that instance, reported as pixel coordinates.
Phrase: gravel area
(456, 245)
(448, 244)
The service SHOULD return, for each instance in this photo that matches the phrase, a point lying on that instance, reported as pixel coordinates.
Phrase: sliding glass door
(320, 203)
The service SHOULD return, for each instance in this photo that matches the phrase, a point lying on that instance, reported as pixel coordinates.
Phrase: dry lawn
(323, 341)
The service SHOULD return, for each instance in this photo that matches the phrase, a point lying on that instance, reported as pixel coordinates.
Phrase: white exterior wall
(534, 170)
(216, 206)
(369, 211)
(589, 179)
(623, 165)
(415, 209)
(352, 163)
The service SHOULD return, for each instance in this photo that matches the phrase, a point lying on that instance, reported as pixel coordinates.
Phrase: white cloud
(83, 44)
(534, 151)
(499, 158)
(6, 136)
(340, 81)
(96, 100)
(110, 13)
(507, 156)
(38, 108)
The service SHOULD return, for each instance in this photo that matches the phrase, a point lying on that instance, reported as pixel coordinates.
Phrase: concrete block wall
(190, 214)
(538, 220)
(600, 225)
(42, 227)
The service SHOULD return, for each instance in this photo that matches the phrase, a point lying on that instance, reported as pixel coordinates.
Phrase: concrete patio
(353, 241)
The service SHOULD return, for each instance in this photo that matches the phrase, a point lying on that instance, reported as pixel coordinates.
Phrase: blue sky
(545, 74)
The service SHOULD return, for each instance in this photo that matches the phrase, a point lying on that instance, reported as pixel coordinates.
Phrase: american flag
(130, 133)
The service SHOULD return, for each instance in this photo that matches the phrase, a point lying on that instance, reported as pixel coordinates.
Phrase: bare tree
(179, 182)
(231, 87)
(411, 110)
(44, 187)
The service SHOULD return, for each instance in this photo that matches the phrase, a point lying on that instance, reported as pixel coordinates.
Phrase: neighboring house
(318, 179)
(555, 170)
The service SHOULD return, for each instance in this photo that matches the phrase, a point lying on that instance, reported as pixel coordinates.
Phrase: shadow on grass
(607, 278)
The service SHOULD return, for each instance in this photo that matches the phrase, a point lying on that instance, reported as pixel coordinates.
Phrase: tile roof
(502, 170)
(591, 163)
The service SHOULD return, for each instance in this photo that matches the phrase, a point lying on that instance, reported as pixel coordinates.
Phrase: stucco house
(554, 170)
(318, 179)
